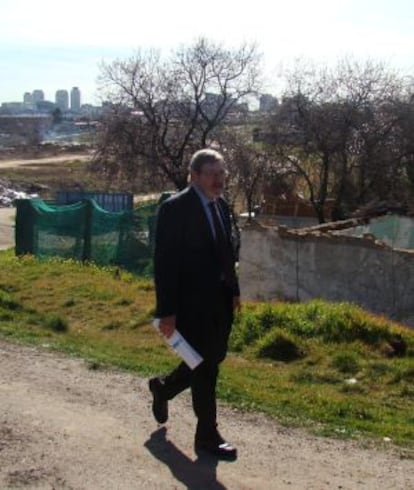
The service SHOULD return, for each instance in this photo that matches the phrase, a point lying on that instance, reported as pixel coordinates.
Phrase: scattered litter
(351, 381)
(341, 431)
(8, 195)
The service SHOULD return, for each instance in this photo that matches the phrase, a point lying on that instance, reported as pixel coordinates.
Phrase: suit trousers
(202, 381)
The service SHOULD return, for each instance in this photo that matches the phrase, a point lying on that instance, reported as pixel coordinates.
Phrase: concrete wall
(300, 265)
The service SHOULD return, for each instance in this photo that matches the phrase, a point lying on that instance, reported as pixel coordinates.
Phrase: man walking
(196, 292)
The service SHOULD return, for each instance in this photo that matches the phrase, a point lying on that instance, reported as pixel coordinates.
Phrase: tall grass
(317, 319)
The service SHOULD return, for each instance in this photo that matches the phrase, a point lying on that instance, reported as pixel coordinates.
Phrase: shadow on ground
(200, 473)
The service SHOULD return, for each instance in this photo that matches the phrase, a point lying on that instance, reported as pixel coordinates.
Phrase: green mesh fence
(396, 231)
(84, 231)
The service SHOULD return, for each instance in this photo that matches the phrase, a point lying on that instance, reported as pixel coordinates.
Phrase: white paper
(190, 356)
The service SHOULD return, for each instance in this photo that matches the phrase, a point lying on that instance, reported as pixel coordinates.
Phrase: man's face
(211, 179)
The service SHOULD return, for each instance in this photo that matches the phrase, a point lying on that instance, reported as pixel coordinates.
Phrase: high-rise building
(28, 100)
(268, 103)
(37, 96)
(62, 99)
(75, 99)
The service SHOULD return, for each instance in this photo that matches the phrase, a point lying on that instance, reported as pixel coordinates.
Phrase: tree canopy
(348, 133)
(162, 109)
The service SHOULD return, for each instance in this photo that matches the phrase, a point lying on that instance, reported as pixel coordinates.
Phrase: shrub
(270, 317)
(112, 325)
(7, 302)
(69, 303)
(346, 362)
(279, 345)
(246, 330)
(56, 323)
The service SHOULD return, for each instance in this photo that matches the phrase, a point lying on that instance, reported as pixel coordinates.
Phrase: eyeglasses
(215, 174)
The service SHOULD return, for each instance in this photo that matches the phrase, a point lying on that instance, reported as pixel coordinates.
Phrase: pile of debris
(8, 195)
(380, 208)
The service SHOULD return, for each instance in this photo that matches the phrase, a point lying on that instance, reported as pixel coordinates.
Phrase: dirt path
(36, 162)
(65, 426)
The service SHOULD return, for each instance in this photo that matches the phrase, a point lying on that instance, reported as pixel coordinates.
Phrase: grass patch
(330, 367)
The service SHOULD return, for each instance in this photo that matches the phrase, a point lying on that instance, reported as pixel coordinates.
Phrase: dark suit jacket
(188, 276)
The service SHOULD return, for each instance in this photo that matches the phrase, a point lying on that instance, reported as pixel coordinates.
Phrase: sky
(51, 45)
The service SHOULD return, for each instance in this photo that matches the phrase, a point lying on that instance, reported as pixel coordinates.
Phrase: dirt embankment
(66, 426)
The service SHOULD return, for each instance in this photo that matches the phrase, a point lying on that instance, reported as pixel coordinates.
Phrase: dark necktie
(223, 248)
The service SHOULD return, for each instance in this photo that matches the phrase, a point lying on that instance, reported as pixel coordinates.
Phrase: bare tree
(310, 132)
(119, 156)
(251, 166)
(374, 92)
(166, 108)
(405, 137)
(334, 127)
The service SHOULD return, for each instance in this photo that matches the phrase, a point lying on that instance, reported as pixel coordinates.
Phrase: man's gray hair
(201, 157)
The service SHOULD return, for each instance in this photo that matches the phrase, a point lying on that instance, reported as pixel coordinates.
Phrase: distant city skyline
(61, 95)
(65, 100)
(39, 52)
(51, 69)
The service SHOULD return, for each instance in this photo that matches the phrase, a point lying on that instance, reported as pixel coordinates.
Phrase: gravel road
(64, 425)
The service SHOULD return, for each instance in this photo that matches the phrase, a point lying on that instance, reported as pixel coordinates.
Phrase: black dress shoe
(217, 447)
(159, 404)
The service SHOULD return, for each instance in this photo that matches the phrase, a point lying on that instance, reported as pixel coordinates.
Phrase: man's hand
(236, 304)
(167, 325)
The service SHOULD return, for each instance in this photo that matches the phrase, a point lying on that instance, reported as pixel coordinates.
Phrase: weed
(112, 325)
(69, 303)
(346, 362)
(246, 330)
(56, 323)
(7, 302)
(124, 301)
(93, 365)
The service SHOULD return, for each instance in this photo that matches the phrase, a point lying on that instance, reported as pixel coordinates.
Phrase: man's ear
(192, 176)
